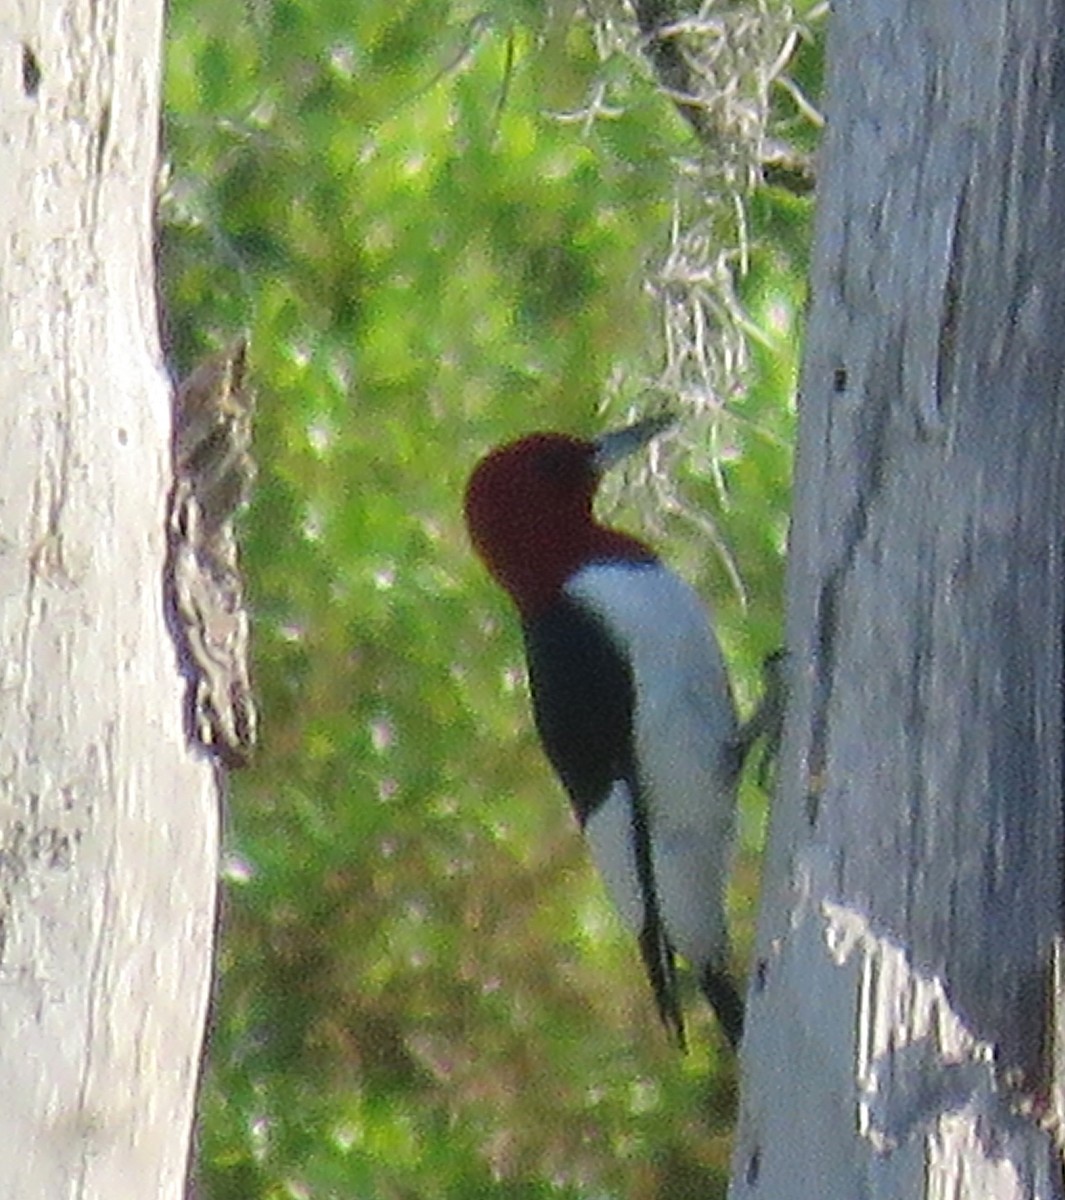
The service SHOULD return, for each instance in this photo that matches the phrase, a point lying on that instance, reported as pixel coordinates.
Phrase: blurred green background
(423, 991)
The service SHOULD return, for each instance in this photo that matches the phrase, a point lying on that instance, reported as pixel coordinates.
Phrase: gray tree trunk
(108, 824)
(899, 1040)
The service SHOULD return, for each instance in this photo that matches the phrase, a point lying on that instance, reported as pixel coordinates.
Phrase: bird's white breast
(685, 729)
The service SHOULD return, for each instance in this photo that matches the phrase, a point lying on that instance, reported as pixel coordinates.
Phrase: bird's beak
(611, 448)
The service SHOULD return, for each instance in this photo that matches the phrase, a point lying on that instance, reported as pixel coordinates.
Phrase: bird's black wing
(583, 702)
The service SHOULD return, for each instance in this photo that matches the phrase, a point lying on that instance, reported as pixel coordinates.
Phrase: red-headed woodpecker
(631, 699)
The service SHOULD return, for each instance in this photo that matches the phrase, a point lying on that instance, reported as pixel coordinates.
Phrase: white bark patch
(912, 1083)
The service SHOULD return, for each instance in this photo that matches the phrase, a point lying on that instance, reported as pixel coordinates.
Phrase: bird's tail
(661, 964)
(724, 998)
(656, 950)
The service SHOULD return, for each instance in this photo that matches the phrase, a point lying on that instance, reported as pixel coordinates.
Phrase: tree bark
(898, 1037)
(108, 822)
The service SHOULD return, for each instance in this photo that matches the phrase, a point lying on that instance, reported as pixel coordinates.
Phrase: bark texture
(108, 824)
(897, 1028)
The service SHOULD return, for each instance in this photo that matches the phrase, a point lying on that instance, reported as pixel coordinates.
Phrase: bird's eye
(559, 464)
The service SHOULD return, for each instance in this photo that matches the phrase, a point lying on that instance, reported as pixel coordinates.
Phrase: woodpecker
(630, 696)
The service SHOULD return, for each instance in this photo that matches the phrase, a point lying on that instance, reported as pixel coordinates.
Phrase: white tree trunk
(900, 1010)
(108, 824)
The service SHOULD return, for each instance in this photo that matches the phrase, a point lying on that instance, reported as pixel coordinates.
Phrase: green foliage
(423, 992)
